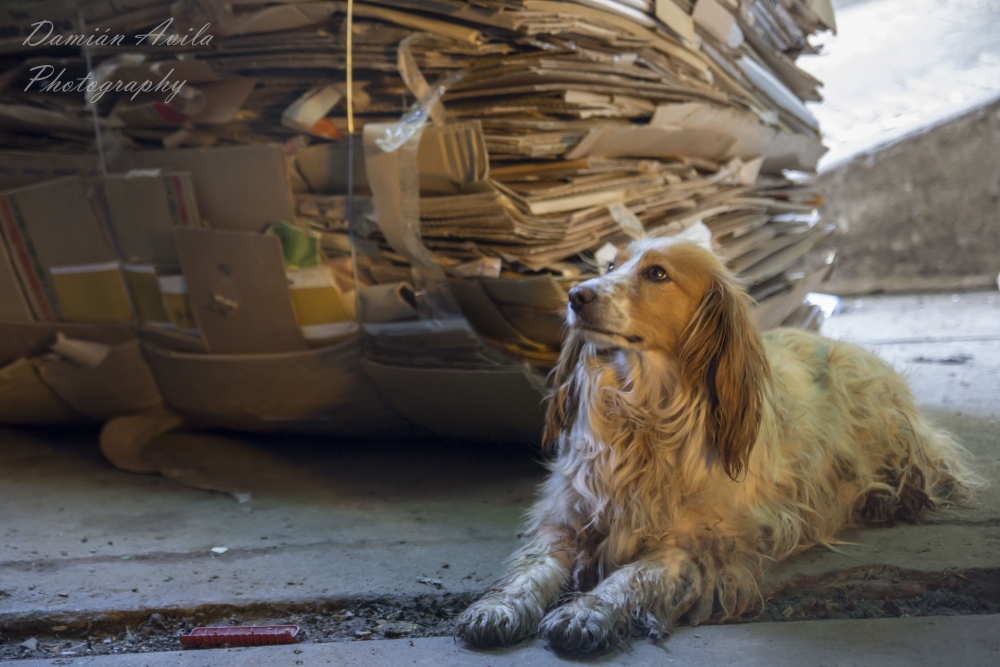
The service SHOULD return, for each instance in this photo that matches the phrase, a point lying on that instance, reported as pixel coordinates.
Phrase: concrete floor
(332, 523)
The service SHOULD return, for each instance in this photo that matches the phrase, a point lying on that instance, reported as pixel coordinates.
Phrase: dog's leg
(651, 593)
(511, 609)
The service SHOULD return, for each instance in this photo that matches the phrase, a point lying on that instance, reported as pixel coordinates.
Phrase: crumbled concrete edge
(869, 591)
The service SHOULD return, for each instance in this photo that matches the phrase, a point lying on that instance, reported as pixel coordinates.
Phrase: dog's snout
(580, 296)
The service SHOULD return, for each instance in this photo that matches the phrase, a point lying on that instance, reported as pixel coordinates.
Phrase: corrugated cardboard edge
(323, 390)
(26, 400)
(502, 404)
(121, 384)
(771, 312)
(24, 339)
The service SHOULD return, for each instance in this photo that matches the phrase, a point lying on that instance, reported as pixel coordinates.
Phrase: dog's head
(678, 300)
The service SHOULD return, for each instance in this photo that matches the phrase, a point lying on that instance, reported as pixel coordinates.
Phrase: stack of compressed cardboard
(565, 129)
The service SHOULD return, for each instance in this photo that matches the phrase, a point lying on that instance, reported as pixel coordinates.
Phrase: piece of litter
(59, 628)
(126, 558)
(363, 634)
(242, 497)
(219, 550)
(245, 635)
(430, 582)
(390, 629)
(106, 641)
(31, 644)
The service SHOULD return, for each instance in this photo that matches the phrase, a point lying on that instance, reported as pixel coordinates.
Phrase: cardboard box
(177, 303)
(238, 188)
(92, 292)
(14, 306)
(144, 208)
(144, 288)
(319, 306)
(49, 225)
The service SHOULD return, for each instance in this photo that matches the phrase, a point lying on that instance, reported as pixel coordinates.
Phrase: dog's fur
(691, 452)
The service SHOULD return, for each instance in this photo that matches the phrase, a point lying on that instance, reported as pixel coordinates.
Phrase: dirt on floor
(858, 593)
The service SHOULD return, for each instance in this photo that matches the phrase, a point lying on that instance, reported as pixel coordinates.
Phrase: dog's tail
(922, 469)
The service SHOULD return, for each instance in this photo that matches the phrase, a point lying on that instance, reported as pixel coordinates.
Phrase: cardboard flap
(144, 208)
(14, 306)
(121, 384)
(239, 291)
(451, 156)
(25, 399)
(241, 188)
(649, 141)
(503, 404)
(29, 340)
(772, 311)
(542, 292)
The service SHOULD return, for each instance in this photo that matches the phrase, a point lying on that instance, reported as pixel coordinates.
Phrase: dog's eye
(611, 267)
(656, 274)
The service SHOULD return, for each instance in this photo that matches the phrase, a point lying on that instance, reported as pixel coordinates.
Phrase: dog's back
(884, 459)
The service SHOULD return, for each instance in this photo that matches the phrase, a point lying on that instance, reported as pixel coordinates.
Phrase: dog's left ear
(723, 356)
(566, 396)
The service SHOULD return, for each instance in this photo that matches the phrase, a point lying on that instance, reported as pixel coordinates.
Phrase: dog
(691, 451)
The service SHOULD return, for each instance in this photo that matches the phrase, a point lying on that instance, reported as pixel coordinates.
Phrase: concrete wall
(920, 214)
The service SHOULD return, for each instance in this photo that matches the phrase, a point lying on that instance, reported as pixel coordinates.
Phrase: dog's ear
(565, 397)
(723, 360)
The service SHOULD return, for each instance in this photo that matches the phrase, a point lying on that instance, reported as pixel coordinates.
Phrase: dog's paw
(585, 625)
(496, 621)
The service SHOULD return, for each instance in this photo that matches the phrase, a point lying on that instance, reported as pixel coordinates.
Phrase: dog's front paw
(497, 621)
(586, 625)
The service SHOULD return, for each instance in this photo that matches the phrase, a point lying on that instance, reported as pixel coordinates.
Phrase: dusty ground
(356, 541)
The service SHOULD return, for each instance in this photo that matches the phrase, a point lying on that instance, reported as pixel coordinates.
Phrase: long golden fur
(691, 452)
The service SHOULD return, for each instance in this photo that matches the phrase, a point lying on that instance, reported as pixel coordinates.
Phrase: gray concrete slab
(904, 642)
(339, 522)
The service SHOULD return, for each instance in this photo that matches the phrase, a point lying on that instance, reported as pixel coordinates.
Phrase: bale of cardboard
(503, 150)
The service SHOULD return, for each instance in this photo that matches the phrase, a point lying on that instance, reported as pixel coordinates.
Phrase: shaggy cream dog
(691, 452)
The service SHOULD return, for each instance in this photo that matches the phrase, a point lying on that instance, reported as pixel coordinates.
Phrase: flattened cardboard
(21, 168)
(239, 292)
(47, 225)
(650, 141)
(144, 289)
(239, 188)
(223, 100)
(541, 292)
(713, 17)
(323, 167)
(772, 311)
(503, 404)
(144, 208)
(14, 307)
(675, 18)
(781, 150)
(25, 399)
(322, 391)
(29, 340)
(121, 385)
(92, 292)
(451, 156)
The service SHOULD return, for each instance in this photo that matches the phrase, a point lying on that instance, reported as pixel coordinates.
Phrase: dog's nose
(580, 296)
